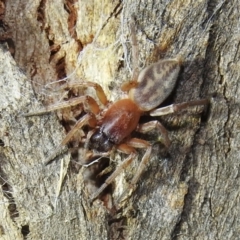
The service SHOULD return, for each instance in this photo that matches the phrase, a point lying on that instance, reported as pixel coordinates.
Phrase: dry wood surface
(192, 192)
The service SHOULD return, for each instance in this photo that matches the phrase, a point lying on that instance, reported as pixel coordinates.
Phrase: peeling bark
(190, 193)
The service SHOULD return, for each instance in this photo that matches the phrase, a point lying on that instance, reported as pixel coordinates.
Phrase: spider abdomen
(155, 83)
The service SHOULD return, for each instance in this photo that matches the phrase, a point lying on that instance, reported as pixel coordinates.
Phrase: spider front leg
(87, 100)
(90, 105)
(135, 56)
(135, 50)
(123, 148)
(88, 119)
(128, 148)
(99, 91)
(137, 143)
(177, 107)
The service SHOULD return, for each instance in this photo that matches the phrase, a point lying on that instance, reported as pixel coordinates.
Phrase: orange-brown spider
(112, 126)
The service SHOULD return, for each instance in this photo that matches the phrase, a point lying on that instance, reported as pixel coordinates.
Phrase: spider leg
(140, 143)
(177, 107)
(146, 127)
(128, 148)
(87, 100)
(99, 91)
(135, 50)
(88, 119)
(137, 143)
(135, 56)
(123, 148)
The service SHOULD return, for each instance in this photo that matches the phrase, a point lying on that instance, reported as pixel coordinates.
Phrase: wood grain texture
(193, 192)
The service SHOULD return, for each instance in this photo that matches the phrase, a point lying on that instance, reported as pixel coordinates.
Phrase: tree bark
(190, 193)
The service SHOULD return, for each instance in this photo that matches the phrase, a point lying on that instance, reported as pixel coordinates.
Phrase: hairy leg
(87, 100)
(123, 148)
(99, 91)
(88, 119)
(177, 107)
(149, 126)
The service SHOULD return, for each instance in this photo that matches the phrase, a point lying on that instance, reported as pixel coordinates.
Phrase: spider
(112, 125)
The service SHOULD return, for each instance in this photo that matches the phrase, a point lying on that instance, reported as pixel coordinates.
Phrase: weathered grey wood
(191, 193)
